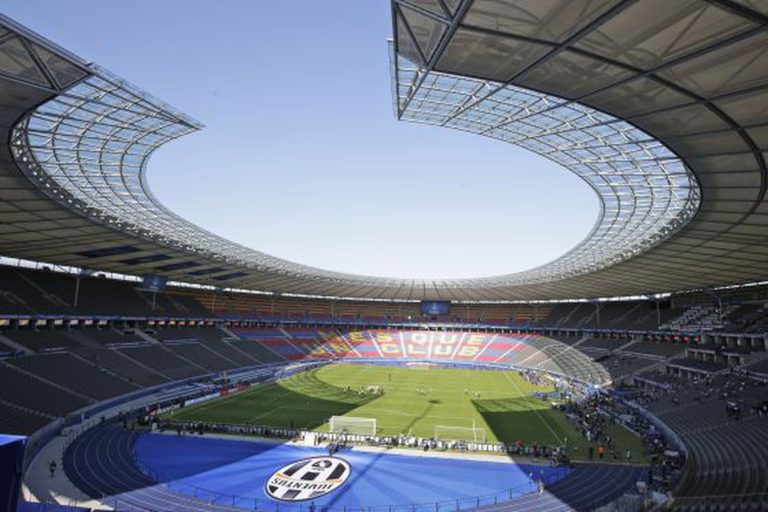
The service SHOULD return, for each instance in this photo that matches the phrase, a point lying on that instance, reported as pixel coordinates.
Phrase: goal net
(352, 425)
(450, 433)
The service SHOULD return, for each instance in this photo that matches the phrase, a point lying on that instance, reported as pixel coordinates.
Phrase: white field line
(536, 411)
(266, 413)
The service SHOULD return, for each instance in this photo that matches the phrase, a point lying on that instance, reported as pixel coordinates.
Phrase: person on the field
(52, 467)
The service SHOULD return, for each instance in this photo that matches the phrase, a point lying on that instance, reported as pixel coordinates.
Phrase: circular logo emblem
(307, 479)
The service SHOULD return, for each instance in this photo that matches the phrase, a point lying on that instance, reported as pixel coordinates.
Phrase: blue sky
(302, 157)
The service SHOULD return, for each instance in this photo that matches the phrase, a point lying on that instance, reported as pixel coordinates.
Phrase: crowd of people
(596, 417)
(555, 454)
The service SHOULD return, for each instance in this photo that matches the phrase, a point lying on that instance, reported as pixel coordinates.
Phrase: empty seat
(123, 366)
(21, 389)
(14, 420)
(201, 356)
(163, 361)
(74, 374)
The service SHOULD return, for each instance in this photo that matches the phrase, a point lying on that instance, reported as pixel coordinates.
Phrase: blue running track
(240, 468)
(209, 474)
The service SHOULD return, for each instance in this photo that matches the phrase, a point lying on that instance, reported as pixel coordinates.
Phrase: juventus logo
(307, 479)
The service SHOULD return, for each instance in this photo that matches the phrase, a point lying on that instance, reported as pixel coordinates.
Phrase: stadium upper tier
(658, 106)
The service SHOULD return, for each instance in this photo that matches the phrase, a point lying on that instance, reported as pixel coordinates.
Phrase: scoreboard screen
(153, 283)
(435, 308)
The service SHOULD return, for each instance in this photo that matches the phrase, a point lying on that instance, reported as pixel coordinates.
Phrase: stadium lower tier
(48, 378)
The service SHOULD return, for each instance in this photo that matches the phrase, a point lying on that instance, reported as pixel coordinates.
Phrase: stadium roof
(661, 107)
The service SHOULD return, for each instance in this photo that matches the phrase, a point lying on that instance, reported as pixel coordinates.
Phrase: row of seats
(631, 315)
(726, 454)
(655, 348)
(702, 317)
(759, 367)
(27, 291)
(698, 364)
(75, 374)
(602, 343)
(523, 350)
(48, 385)
(17, 419)
(621, 367)
(120, 364)
(22, 389)
(729, 460)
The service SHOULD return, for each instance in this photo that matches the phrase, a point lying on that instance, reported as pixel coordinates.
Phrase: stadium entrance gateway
(307, 479)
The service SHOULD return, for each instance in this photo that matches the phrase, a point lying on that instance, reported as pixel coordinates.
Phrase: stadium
(149, 364)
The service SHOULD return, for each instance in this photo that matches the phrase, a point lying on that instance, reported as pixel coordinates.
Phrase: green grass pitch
(499, 402)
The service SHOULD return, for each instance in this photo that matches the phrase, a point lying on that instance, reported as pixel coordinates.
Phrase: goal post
(451, 433)
(352, 425)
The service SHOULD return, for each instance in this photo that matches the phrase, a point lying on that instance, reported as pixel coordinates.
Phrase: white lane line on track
(142, 498)
(164, 494)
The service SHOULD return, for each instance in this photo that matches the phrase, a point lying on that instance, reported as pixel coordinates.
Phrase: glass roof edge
(162, 226)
